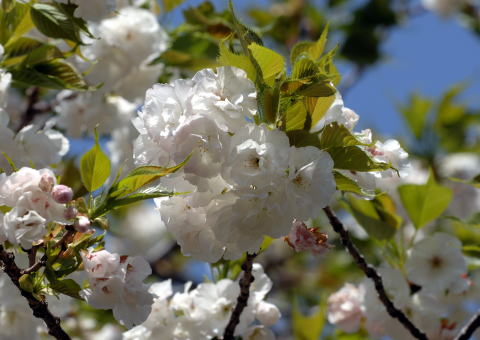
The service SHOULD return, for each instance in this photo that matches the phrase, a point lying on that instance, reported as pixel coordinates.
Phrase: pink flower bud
(62, 193)
(46, 183)
(70, 213)
(302, 238)
(81, 224)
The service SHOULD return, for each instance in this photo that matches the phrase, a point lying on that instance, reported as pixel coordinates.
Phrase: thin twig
(467, 331)
(39, 308)
(36, 266)
(242, 300)
(371, 273)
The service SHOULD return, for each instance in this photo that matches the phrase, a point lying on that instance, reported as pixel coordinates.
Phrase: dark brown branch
(371, 273)
(467, 331)
(36, 266)
(33, 96)
(242, 300)
(39, 308)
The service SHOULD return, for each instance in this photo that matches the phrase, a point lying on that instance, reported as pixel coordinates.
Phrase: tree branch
(467, 331)
(242, 300)
(39, 308)
(371, 273)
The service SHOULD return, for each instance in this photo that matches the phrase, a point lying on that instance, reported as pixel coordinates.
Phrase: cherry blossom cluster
(34, 200)
(116, 283)
(245, 181)
(432, 291)
(36, 143)
(118, 59)
(203, 312)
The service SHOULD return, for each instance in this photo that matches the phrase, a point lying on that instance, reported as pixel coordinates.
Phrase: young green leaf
(140, 177)
(415, 113)
(271, 63)
(355, 159)
(54, 23)
(313, 49)
(228, 58)
(335, 135)
(426, 202)
(347, 184)
(94, 167)
(14, 22)
(309, 327)
(378, 216)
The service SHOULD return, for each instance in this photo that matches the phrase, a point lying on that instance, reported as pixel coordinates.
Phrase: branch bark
(371, 273)
(467, 331)
(242, 300)
(39, 308)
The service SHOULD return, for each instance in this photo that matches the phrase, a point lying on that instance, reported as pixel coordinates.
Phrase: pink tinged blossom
(62, 194)
(116, 283)
(345, 307)
(82, 224)
(70, 213)
(302, 238)
(46, 182)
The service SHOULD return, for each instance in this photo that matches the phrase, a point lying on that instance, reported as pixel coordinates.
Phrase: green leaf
(14, 22)
(295, 113)
(335, 135)
(54, 23)
(21, 46)
(304, 68)
(354, 159)
(448, 111)
(228, 58)
(67, 287)
(318, 89)
(137, 197)
(8, 5)
(378, 216)
(313, 49)
(426, 202)
(271, 63)
(320, 107)
(168, 5)
(308, 327)
(54, 74)
(416, 112)
(301, 138)
(26, 283)
(346, 184)
(140, 177)
(94, 167)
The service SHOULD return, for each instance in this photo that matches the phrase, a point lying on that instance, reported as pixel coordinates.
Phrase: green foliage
(347, 184)
(132, 189)
(94, 167)
(426, 202)
(140, 177)
(377, 216)
(57, 21)
(169, 5)
(308, 327)
(15, 21)
(415, 113)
